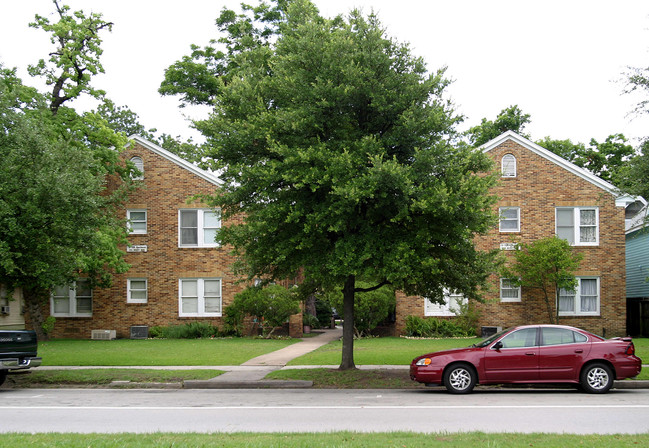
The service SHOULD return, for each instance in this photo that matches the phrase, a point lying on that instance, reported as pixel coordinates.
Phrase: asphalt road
(494, 410)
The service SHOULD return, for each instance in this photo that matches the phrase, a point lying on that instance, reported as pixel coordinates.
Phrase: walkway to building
(252, 372)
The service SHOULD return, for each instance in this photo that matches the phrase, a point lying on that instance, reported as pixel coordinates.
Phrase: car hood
(452, 351)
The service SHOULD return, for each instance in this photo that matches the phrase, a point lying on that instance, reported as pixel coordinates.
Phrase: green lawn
(381, 351)
(331, 439)
(156, 352)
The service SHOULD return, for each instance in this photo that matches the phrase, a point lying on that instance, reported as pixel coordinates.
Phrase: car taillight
(630, 349)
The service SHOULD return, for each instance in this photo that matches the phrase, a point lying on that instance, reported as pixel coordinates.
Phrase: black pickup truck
(17, 351)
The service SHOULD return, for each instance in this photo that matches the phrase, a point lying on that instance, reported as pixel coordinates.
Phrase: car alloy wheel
(459, 379)
(597, 378)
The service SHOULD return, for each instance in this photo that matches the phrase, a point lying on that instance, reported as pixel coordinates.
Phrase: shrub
(431, 327)
(192, 330)
(311, 320)
(271, 306)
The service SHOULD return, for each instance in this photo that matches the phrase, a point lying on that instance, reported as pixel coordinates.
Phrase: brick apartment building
(178, 273)
(540, 195)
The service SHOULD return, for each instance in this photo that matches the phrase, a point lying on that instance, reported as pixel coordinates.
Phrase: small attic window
(509, 165)
(139, 164)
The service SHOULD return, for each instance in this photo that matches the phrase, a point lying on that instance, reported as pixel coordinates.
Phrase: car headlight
(424, 362)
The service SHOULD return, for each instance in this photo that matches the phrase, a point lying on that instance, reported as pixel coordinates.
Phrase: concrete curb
(259, 384)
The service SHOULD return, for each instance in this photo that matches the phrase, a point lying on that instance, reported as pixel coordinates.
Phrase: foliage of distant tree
(604, 159)
(635, 175)
(338, 149)
(509, 119)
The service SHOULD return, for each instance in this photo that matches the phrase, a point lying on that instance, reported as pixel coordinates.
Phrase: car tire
(460, 379)
(596, 378)
(3, 376)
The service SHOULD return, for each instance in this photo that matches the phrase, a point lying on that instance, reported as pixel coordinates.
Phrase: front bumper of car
(428, 374)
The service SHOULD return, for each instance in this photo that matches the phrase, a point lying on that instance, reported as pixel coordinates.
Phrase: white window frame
(577, 311)
(508, 166)
(200, 287)
(139, 164)
(576, 227)
(132, 231)
(72, 300)
(503, 219)
(504, 286)
(450, 307)
(200, 238)
(130, 289)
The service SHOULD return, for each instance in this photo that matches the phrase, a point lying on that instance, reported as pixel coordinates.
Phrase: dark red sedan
(532, 354)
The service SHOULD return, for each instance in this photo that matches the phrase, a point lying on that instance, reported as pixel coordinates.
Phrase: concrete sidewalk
(252, 372)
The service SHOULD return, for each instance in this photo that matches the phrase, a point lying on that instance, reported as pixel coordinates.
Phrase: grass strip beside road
(157, 352)
(350, 379)
(101, 377)
(331, 439)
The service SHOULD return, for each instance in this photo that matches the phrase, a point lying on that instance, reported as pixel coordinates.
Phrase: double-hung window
(200, 297)
(510, 219)
(72, 301)
(578, 225)
(583, 300)
(137, 290)
(136, 221)
(198, 227)
(450, 307)
(509, 292)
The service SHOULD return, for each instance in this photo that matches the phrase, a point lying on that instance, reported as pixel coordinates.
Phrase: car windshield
(490, 339)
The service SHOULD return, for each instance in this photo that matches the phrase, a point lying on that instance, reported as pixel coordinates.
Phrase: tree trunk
(34, 301)
(547, 303)
(348, 324)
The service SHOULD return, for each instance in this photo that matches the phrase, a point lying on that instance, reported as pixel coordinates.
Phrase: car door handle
(579, 351)
(530, 353)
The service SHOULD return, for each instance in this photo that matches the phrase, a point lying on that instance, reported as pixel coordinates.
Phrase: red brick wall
(166, 189)
(539, 187)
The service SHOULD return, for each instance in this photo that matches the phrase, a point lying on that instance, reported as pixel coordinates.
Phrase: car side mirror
(498, 345)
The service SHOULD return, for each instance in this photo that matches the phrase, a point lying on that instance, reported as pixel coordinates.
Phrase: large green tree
(57, 219)
(336, 147)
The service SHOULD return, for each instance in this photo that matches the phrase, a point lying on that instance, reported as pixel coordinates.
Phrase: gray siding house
(637, 274)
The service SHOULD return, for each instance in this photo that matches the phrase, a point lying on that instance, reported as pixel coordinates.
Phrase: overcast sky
(561, 61)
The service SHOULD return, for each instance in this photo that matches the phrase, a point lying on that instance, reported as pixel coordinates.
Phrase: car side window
(521, 338)
(559, 336)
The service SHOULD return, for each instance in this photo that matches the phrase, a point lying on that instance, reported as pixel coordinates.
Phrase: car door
(562, 353)
(513, 358)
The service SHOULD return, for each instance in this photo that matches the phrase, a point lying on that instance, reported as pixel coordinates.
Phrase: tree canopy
(509, 119)
(336, 147)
